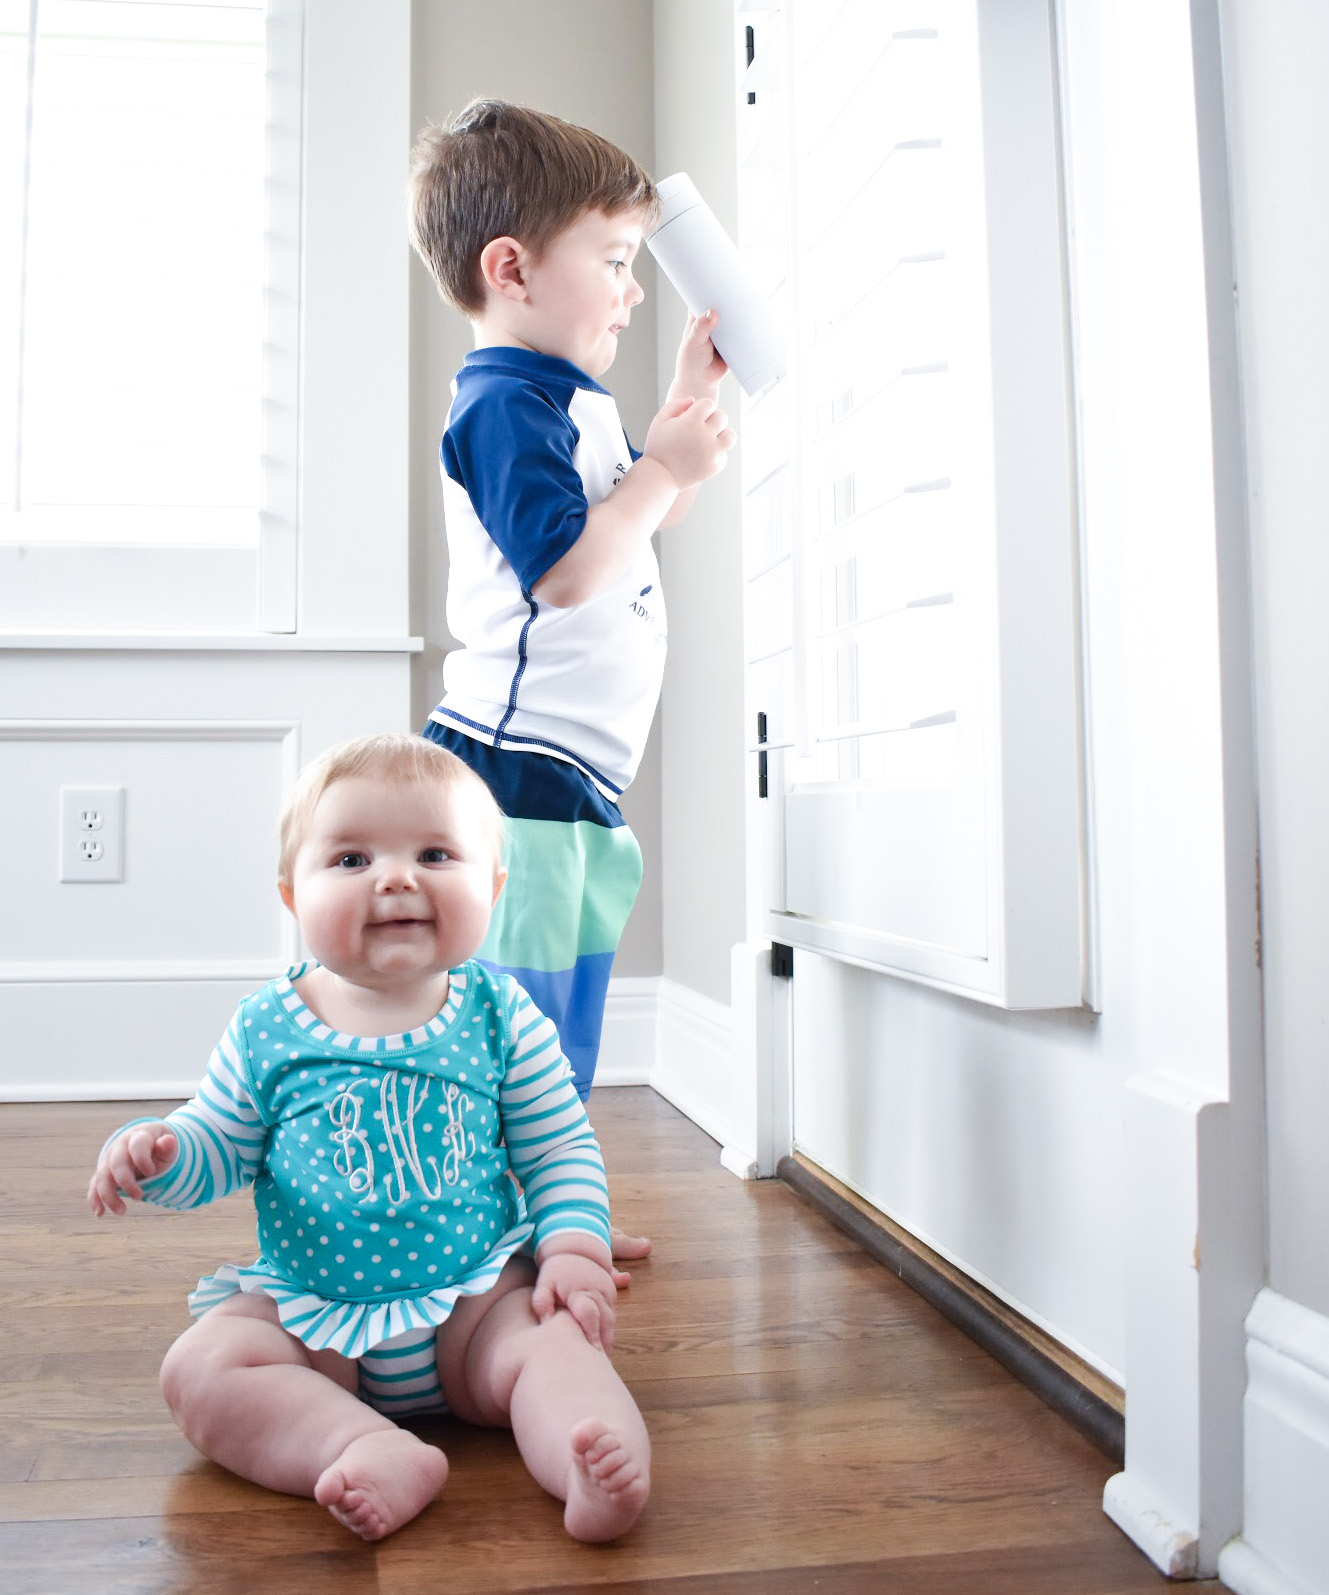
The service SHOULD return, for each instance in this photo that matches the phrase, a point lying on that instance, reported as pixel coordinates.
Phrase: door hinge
(763, 774)
(782, 961)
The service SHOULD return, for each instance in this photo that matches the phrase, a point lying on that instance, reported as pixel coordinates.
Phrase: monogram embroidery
(344, 1112)
(354, 1158)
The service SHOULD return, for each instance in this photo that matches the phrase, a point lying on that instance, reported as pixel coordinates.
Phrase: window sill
(202, 642)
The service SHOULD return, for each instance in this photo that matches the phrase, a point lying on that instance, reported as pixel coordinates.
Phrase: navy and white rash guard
(530, 444)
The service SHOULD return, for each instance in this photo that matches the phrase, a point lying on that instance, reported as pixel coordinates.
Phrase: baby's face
(394, 880)
(581, 291)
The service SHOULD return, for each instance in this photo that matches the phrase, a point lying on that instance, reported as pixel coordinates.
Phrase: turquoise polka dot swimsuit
(380, 1166)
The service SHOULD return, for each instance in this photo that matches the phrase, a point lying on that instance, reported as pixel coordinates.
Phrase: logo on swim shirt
(643, 610)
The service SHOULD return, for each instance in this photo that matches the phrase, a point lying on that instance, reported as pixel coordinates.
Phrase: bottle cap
(677, 195)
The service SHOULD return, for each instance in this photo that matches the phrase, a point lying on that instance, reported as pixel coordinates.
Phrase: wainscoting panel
(120, 989)
(200, 800)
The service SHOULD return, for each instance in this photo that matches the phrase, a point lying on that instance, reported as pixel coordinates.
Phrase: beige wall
(1275, 57)
(588, 61)
(701, 718)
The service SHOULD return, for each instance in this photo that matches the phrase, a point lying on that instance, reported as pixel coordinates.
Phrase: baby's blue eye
(351, 861)
(434, 855)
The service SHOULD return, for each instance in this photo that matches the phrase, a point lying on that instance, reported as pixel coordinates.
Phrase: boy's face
(394, 880)
(581, 291)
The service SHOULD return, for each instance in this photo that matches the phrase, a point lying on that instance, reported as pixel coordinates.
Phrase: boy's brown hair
(505, 171)
(386, 757)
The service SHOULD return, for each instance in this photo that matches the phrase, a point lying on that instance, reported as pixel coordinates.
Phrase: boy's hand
(691, 438)
(699, 367)
(139, 1153)
(584, 1287)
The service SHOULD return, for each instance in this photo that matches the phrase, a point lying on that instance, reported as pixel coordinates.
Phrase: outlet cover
(92, 833)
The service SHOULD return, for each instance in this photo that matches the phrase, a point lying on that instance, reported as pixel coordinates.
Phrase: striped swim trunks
(574, 868)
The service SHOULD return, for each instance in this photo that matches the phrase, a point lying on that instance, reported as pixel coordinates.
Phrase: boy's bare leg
(575, 1423)
(250, 1396)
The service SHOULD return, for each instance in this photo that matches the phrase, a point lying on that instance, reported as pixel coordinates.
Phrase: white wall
(588, 61)
(1276, 59)
(702, 728)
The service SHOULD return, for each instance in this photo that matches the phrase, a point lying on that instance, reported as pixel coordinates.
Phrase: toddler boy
(529, 226)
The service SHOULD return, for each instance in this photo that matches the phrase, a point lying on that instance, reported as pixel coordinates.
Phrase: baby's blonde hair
(387, 756)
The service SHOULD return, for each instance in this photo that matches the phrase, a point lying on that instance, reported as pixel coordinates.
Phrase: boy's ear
(502, 265)
(287, 895)
(500, 875)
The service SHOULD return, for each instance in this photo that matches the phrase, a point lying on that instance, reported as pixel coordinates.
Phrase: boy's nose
(635, 293)
(396, 877)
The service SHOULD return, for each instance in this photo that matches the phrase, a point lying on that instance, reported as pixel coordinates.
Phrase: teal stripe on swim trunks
(558, 921)
(570, 890)
(573, 872)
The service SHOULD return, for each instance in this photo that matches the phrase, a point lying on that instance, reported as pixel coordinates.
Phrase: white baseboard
(655, 1033)
(628, 1040)
(150, 1039)
(163, 1090)
(1284, 1543)
(694, 1069)
(1245, 1572)
(1173, 1549)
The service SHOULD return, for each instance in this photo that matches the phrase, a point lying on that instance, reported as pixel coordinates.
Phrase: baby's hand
(136, 1154)
(691, 438)
(699, 366)
(584, 1287)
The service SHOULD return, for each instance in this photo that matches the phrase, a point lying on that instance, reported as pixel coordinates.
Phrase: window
(910, 525)
(149, 296)
(137, 273)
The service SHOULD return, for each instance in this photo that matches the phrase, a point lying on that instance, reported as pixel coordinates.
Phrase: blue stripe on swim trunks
(574, 870)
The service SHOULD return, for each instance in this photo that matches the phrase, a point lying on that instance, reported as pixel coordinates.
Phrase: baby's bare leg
(250, 1396)
(575, 1423)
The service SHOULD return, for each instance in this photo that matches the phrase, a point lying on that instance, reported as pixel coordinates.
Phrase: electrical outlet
(92, 833)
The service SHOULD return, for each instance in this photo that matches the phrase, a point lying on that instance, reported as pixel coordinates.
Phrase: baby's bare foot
(607, 1484)
(380, 1481)
(628, 1247)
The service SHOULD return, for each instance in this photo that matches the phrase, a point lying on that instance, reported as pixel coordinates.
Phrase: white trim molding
(686, 1047)
(694, 1069)
(220, 642)
(1284, 1544)
(656, 1033)
(1171, 1547)
(1192, 1265)
(628, 1040)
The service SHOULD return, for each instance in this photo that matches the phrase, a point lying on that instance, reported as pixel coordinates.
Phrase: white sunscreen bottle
(701, 261)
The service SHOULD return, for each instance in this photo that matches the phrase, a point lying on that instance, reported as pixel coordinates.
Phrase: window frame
(335, 377)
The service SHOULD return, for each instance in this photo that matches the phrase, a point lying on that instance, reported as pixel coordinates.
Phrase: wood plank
(1066, 1382)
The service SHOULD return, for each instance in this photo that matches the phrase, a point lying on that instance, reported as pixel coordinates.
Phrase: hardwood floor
(816, 1425)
